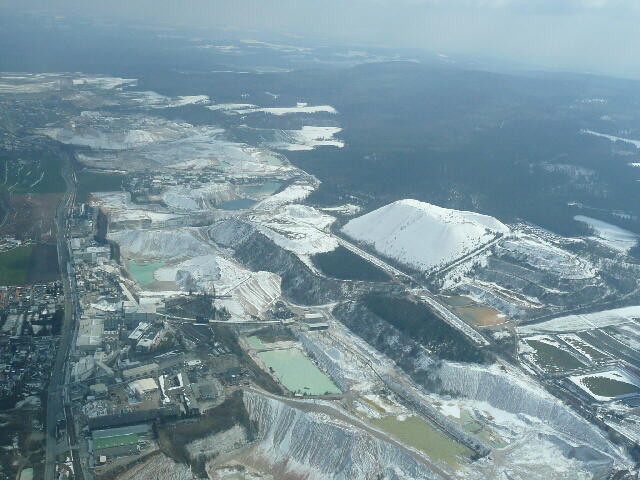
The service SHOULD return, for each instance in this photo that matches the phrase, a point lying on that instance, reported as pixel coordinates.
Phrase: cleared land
(474, 313)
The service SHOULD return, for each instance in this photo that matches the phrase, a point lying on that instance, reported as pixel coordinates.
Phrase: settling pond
(297, 373)
(417, 433)
(142, 272)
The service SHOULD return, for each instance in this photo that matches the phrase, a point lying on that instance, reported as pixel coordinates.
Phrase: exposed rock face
(519, 396)
(157, 467)
(314, 447)
(385, 338)
(257, 252)
(212, 446)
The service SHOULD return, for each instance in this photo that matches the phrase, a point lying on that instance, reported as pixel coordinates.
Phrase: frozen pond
(297, 373)
(611, 235)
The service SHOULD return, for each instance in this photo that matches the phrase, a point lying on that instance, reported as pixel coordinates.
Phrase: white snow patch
(422, 235)
(611, 235)
(614, 139)
(170, 244)
(293, 193)
(242, 109)
(588, 321)
(307, 138)
(298, 228)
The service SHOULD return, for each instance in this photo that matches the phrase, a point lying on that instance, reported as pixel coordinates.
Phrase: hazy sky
(583, 35)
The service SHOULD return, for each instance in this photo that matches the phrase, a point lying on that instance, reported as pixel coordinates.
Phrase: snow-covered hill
(422, 235)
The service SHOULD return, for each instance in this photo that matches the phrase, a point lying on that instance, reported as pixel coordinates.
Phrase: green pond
(297, 373)
(239, 204)
(414, 432)
(142, 272)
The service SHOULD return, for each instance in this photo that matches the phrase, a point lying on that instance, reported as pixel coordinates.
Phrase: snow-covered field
(187, 198)
(160, 244)
(16, 83)
(610, 235)
(549, 258)
(121, 209)
(295, 192)
(616, 375)
(300, 107)
(422, 235)
(307, 138)
(297, 228)
(588, 321)
(613, 138)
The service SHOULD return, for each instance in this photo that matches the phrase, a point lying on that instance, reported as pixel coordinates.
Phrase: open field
(37, 173)
(32, 216)
(97, 182)
(14, 266)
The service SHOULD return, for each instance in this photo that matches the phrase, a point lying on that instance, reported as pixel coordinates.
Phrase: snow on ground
(616, 374)
(243, 109)
(307, 138)
(201, 271)
(148, 99)
(137, 141)
(155, 467)
(628, 334)
(348, 209)
(581, 346)
(105, 306)
(588, 321)
(16, 83)
(293, 193)
(252, 292)
(121, 210)
(230, 106)
(187, 198)
(549, 258)
(297, 228)
(614, 139)
(102, 131)
(422, 235)
(153, 244)
(610, 235)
